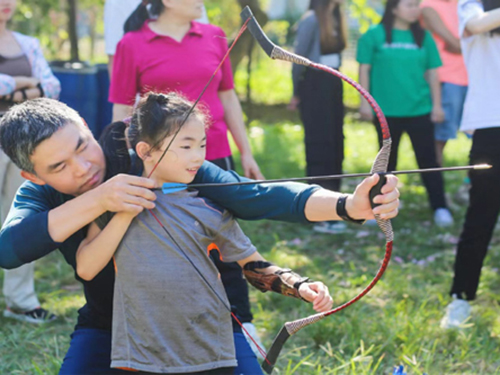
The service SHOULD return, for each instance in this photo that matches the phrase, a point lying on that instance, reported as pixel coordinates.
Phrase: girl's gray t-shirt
(165, 317)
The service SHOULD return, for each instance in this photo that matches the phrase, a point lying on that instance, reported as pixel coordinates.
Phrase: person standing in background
(24, 74)
(398, 65)
(321, 37)
(480, 40)
(441, 18)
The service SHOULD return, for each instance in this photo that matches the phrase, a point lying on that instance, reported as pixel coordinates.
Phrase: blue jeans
(90, 353)
(453, 98)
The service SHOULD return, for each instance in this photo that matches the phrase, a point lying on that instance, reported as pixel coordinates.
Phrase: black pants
(421, 132)
(231, 275)
(322, 113)
(482, 213)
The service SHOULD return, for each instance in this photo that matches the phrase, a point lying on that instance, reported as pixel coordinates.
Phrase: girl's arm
(98, 248)
(365, 110)
(41, 70)
(437, 114)
(483, 23)
(435, 24)
(267, 276)
(234, 119)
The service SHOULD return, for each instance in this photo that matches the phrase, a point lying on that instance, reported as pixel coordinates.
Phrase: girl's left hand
(318, 294)
(437, 114)
(250, 168)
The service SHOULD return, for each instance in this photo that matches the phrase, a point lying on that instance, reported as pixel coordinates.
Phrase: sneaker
(36, 316)
(331, 227)
(252, 331)
(443, 218)
(457, 313)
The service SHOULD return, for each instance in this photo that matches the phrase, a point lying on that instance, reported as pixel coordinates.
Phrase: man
(66, 191)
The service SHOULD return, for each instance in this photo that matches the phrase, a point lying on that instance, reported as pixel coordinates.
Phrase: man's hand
(358, 205)
(318, 294)
(126, 193)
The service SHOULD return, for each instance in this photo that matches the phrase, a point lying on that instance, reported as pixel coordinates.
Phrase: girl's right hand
(365, 112)
(294, 103)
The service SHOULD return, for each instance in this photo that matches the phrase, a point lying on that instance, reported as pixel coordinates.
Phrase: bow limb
(379, 166)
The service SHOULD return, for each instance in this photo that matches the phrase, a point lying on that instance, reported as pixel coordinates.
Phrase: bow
(379, 166)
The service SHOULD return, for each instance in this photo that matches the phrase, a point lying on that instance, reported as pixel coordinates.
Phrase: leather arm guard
(275, 282)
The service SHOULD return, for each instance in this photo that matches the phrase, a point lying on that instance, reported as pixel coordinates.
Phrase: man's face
(71, 161)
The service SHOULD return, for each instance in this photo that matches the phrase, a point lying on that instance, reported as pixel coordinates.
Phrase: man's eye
(83, 147)
(60, 168)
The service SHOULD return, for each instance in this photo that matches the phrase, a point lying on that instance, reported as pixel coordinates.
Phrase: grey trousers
(18, 284)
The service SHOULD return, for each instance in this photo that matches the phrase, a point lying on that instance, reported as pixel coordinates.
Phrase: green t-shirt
(397, 76)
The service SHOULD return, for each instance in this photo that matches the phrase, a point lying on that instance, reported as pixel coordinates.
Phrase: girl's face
(185, 9)
(184, 157)
(407, 11)
(7, 9)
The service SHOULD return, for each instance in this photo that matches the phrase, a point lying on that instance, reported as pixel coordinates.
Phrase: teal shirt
(397, 76)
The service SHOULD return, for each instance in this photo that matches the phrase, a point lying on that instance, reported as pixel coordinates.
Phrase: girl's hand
(251, 168)
(437, 114)
(365, 112)
(294, 103)
(318, 294)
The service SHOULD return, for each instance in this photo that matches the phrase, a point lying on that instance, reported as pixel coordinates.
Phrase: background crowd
(433, 66)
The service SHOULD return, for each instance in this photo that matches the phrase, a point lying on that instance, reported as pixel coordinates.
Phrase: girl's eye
(186, 147)
(203, 146)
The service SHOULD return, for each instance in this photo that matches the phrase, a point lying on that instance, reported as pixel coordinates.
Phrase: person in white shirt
(480, 41)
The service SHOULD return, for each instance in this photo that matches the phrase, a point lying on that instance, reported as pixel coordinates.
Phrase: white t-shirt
(482, 58)
(116, 13)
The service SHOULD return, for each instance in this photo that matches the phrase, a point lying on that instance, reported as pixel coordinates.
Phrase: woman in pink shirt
(174, 53)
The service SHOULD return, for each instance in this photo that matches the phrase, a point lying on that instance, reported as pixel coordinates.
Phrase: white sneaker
(252, 331)
(334, 227)
(457, 313)
(443, 218)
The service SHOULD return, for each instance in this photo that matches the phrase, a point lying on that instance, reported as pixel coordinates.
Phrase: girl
(321, 37)
(480, 40)
(24, 74)
(173, 52)
(398, 61)
(193, 334)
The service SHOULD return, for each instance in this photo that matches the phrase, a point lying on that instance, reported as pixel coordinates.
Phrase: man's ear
(32, 177)
(143, 150)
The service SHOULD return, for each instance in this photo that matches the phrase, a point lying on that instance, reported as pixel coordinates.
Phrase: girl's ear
(143, 150)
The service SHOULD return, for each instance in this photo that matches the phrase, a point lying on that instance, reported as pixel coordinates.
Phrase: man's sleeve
(281, 201)
(25, 236)
(233, 244)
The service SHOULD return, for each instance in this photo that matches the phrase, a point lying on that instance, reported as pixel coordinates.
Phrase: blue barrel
(104, 107)
(79, 90)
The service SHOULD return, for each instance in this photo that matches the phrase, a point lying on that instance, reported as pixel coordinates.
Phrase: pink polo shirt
(453, 69)
(145, 61)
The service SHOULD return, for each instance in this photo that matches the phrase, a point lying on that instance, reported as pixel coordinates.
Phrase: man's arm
(434, 23)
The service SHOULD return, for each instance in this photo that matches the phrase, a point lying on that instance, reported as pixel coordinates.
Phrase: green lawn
(397, 323)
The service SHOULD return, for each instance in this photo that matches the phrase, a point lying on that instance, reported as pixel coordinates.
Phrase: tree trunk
(241, 49)
(73, 36)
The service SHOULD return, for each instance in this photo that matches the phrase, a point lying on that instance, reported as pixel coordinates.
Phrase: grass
(397, 323)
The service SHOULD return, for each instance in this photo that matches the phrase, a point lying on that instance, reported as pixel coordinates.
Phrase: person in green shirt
(398, 65)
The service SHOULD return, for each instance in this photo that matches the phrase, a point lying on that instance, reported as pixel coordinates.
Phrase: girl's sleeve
(366, 48)
(303, 45)
(7, 84)
(41, 70)
(124, 83)
(433, 58)
(282, 201)
(227, 82)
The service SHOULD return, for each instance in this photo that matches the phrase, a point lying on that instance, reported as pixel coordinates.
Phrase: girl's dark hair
(388, 23)
(157, 117)
(142, 13)
(490, 5)
(332, 26)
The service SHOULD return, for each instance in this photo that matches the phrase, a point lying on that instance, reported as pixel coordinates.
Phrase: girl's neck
(400, 24)
(171, 26)
(3, 29)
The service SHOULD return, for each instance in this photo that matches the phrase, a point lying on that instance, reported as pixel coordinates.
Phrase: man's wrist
(345, 209)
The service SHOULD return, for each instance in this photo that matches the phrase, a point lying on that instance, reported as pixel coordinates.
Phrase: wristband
(23, 92)
(40, 88)
(342, 212)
